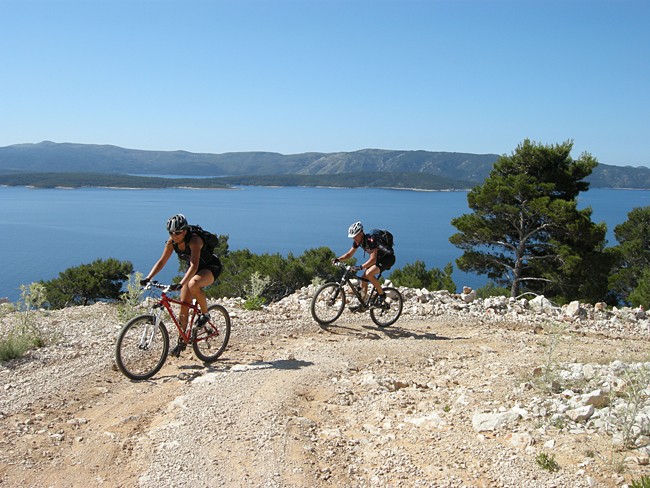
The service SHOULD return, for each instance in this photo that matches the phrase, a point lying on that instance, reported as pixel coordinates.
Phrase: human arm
(347, 255)
(160, 264)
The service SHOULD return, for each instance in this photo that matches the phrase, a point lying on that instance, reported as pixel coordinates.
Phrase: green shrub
(18, 341)
(26, 334)
(255, 290)
(551, 370)
(416, 275)
(88, 283)
(640, 295)
(628, 278)
(492, 290)
(637, 397)
(12, 346)
(254, 303)
(318, 281)
(643, 482)
(131, 300)
(286, 274)
(547, 462)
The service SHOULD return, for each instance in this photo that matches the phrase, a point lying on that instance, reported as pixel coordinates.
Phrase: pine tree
(632, 256)
(526, 231)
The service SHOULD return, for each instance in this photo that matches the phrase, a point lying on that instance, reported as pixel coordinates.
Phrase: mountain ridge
(52, 157)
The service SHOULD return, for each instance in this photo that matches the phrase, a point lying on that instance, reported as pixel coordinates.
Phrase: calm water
(47, 231)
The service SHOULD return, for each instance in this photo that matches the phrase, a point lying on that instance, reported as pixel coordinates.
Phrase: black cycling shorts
(386, 262)
(214, 266)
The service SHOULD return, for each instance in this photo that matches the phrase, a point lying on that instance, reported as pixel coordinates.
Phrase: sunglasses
(176, 233)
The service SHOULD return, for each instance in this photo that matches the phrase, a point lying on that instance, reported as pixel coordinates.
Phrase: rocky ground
(459, 392)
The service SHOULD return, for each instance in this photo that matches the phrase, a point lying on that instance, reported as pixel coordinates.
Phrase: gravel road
(291, 404)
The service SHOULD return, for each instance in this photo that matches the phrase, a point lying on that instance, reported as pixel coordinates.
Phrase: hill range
(55, 164)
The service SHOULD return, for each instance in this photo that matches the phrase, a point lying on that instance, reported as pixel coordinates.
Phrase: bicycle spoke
(328, 303)
(141, 348)
(388, 313)
(210, 341)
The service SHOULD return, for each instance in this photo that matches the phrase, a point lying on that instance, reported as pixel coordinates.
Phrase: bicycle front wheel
(210, 341)
(328, 303)
(390, 311)
(141, 347)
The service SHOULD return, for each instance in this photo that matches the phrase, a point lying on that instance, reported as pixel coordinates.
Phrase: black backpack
(385, 240)
(210, 240)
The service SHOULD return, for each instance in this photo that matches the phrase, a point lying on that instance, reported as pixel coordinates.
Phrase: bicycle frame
(347, 280)
(165, 302)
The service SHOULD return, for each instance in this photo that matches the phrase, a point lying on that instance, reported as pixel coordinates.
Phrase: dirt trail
(298, 406)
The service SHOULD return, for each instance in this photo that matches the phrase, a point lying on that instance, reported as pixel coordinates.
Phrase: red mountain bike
(143, 343)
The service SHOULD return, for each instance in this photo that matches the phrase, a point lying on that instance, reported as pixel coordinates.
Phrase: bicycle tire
(383, 317)
(328, 303)
(211, 340)
(142, 347)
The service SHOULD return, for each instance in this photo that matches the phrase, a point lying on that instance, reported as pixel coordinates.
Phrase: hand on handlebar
(175, 287)
(354, 269)
(144, 282)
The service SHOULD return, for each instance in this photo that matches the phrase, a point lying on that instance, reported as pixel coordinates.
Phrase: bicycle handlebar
(354, 269)
(157, 284)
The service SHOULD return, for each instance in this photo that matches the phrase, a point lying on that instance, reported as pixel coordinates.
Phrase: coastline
(239, 187)
(233, 187)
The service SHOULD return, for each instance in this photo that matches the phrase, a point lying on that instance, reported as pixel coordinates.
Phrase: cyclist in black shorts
(203, 268)
(381, 257)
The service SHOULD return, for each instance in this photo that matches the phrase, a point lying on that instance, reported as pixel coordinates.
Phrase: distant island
(90, 180)
(50, 165)
(408, 181)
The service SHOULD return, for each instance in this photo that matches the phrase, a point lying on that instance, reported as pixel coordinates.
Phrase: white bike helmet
(176, 223)
(355, 229)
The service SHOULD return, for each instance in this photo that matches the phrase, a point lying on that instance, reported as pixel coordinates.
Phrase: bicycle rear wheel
(141, 347)
(328, 303)
(210, 341)
(391, 310)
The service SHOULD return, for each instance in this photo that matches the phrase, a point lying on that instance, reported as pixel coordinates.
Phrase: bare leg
(196, 284)
(370, 274)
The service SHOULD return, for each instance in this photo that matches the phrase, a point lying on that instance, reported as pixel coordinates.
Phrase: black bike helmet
(176, 223)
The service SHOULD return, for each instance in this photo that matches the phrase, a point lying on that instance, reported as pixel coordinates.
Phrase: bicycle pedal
(176, 352)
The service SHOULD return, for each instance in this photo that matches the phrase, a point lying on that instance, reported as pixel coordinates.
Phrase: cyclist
(381, 258)
(203, 268)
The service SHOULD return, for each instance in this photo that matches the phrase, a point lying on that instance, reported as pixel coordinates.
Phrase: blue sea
(48, 231)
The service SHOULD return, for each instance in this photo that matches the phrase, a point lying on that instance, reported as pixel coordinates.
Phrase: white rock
(596, 398)
(520, 440)
(431, 421)
(580, 414)
(541, 304)
(574, 310)
(483, 422)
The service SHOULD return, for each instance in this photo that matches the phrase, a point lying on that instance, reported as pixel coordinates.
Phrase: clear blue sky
(293, 76)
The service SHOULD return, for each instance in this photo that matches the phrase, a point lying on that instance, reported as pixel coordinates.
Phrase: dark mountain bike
(143, 343)
(329, 301)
